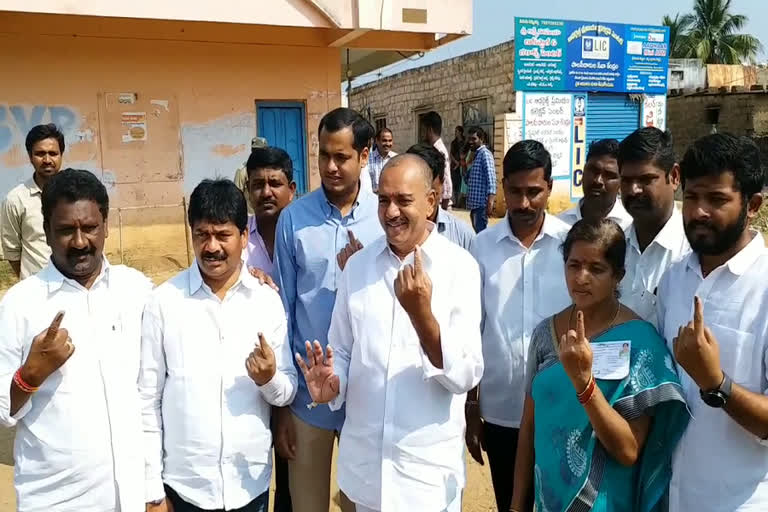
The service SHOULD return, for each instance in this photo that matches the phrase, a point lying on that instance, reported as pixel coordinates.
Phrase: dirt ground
(159, 252)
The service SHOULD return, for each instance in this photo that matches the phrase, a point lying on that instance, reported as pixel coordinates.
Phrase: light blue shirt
(455, 229)
(310, 233)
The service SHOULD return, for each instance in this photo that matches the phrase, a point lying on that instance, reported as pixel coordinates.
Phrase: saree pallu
(573, 472)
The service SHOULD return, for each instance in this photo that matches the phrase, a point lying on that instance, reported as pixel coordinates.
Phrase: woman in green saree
(604, 408)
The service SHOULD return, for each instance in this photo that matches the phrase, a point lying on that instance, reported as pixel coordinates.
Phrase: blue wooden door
(284, 126)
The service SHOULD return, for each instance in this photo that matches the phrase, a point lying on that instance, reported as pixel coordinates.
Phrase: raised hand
(576, 355)
(697, 351)
(49, 351)
(322, 383)
(413, 288)
(351, 248)
(263, 277)
(260, 363)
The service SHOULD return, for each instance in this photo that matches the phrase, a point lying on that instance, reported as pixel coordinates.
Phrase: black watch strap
(718, 397)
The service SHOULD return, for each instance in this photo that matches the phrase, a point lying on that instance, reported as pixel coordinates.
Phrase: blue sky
(494, 22)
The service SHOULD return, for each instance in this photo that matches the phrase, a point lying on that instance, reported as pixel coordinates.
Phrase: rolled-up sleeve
(490, 169)
(151, 383)
(460, 340)
(340, 338)
(281, 389)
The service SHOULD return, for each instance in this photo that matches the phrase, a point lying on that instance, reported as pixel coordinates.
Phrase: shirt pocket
(737, 357)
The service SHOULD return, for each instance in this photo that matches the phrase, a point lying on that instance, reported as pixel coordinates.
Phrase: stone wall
(743, 113)
(441, 87)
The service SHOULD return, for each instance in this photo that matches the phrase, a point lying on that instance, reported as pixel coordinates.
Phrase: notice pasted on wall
(547, 118)
(655, 111)
(134, 126)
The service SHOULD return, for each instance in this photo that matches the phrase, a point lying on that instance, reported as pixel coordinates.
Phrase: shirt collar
(56, 279)
(32, 186)
(547, 229)
(196, 279)
(741, 261)
(429, 247)
(668, 237)
(617, 211)
(365, 198)
(253, 226)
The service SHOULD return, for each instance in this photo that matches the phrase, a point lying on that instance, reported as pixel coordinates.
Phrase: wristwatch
(719, 396)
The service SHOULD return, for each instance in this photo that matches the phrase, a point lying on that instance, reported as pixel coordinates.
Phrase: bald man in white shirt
(404, 349)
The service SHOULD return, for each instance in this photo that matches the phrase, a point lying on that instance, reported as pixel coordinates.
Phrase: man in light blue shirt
(312, 235)
(448, 225)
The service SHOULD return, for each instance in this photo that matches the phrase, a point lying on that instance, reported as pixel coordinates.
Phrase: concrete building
(688, 74)
(467, 90)
(154, 96)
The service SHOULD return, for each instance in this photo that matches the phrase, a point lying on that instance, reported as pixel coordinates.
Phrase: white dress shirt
(718, 465)
(644, 269)
(402, 445)
(521, 287)
(365, 180)
(617, 214)
(447, 180)
(78, 439)
(206, 423)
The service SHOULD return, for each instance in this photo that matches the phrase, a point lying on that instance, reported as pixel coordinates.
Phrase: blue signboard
(559, 55)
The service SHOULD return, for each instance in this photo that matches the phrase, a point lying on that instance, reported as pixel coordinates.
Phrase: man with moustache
(270, 188)
(523, 282)
(214, 359)
(404, 348)
(69, 359)
(650, 176)
(24, 244)
(381, 154)
(712, 310)
(448, 225)
(312, 235)
(241, 175)
(601, 187)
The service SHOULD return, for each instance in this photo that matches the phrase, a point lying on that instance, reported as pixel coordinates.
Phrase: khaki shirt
(21, 228)
(241, 180)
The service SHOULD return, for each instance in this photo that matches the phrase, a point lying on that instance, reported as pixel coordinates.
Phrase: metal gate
(611, 116)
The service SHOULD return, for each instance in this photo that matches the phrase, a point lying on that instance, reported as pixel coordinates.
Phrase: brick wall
(740, 114)
(440, 87)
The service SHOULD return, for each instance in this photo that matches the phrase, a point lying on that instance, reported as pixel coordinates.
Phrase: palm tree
(714, 34)
(678, 32)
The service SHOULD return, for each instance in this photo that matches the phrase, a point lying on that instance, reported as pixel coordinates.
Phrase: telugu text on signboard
(548, 120)
(560, 55)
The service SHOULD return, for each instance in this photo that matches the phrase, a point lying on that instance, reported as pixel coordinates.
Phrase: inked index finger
(352, 239)
(580, 331)
(53, 330)
(265, 348)
(698, 316)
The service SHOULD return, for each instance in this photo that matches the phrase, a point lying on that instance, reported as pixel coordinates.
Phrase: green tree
(714, 35)
(678, 32)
